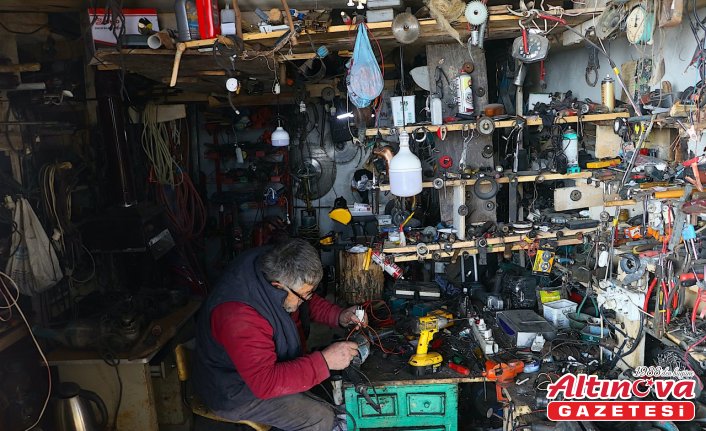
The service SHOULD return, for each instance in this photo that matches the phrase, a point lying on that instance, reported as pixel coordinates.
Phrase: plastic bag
(364, 80)
(33, 265)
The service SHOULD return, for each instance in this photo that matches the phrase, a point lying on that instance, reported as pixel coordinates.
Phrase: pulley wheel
(445, 162)
(485, 125)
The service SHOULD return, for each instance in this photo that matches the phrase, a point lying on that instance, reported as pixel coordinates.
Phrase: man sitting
(251, 360)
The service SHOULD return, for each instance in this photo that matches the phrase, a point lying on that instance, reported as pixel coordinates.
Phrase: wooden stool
(197, 407)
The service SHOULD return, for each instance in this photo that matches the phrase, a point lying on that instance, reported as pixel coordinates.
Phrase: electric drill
(424, 360)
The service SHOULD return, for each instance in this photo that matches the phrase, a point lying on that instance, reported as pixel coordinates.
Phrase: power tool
(424, 361)
(503, 374)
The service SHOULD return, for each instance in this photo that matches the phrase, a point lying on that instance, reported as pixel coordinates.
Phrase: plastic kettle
(73, 412)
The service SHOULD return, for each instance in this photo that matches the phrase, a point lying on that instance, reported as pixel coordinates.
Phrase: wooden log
(356, 284)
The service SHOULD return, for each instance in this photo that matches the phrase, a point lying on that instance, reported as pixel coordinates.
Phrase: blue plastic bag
(364, 80)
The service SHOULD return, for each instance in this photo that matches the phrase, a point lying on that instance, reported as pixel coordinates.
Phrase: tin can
(389, 267)
(464, 94)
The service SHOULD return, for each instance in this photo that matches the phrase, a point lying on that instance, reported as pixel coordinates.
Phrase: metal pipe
(475, 267)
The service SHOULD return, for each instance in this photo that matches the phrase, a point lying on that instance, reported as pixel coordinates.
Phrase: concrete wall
(565, 67)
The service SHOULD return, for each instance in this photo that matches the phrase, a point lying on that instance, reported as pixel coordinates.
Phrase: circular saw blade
(314, 170)
(476, 12)
(608, 22)
(405, 28)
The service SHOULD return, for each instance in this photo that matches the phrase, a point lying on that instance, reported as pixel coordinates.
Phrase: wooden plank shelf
(499, 22)
(200, 72)
(499, 124)
(566, 234)
(11, 336)
(498, 248)
(522, 177)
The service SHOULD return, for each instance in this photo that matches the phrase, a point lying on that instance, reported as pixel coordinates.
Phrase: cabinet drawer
(426, 403)
(417, 407)
(388, 406)
(439, 428)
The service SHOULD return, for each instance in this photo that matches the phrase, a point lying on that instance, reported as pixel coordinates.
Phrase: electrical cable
(113, 361)
(155, 143)
(636, 341)
(24, 33)
(687, 362)
(12, 301)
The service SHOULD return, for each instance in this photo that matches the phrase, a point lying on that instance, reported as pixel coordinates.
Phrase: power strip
(484, 336)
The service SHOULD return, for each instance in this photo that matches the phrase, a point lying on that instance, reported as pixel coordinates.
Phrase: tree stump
(356, 284)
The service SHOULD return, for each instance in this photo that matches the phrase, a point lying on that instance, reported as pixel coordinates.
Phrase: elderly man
(251, 360)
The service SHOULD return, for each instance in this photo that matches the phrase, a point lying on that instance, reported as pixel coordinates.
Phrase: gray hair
(293, 263)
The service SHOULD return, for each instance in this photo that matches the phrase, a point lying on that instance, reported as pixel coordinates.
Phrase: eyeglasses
(304, 299)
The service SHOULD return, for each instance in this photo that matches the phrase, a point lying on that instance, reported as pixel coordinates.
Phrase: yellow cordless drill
(424, 360)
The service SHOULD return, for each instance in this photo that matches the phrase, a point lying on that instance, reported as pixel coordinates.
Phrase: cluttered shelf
(529, 121)
(564, 234)
(200, 71)
(521, 177)
(153, 339)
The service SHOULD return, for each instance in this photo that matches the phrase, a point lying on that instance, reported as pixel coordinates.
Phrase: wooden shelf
(495, 245)
(499, 23)
(498, 248)
(499, 124)
(200, 72)
(11, 336)
(522, 177)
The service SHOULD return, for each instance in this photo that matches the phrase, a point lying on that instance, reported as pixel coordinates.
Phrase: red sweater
(247, 337)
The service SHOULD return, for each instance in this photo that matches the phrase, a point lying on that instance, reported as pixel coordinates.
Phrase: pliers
(665, 295)
(693, 278)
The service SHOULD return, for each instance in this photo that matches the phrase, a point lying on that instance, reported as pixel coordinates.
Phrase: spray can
(436, 111)
(608, 93)
(187, 20)
(389, 267)
(209, 18)
(464, 94)
(570, 145)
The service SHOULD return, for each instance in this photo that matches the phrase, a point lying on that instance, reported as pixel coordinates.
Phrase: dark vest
(216, 381)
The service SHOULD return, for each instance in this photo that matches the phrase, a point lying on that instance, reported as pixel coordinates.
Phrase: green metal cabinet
(429, 407)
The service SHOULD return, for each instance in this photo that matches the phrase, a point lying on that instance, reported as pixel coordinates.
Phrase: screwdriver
(459, 368)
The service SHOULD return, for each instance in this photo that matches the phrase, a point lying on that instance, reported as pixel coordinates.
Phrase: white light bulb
(405, 170)
(280, 137)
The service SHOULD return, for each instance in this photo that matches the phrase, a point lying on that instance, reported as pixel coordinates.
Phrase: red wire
(369, 308)
(686, 359)
(186, 210)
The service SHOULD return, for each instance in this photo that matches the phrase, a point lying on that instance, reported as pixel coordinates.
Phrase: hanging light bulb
(280, 137)
(405, 170)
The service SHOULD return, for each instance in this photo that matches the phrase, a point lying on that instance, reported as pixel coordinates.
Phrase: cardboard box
(380, 15)
(134, 19)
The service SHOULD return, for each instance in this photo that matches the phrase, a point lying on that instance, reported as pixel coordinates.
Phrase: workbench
(407, 402)
(141, 393)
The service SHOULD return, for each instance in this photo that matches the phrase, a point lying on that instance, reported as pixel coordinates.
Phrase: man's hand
(348, 317)
(339, 355)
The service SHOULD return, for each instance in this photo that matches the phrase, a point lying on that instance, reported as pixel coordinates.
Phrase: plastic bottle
(405, 170)
(228, 20)
(187, 20)
(209, 18)
(570, 145)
